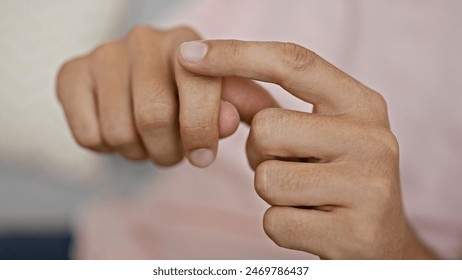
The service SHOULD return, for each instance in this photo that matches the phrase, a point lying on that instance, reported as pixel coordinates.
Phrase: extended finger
(297, 69)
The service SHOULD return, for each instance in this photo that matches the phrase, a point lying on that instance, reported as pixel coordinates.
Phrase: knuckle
(262, 186)
(296, 57)
(67, 72)
(64, 73)
(135, 156)
(271, 224)
(154, 116)
(177, 35)
(168, 161)
(198, 129)
(391, 144)
(377, 105)
(184, 32)
(145, 40)
(141, 32)
(88, 140)
(69, 68)
(260, 130)
(107, 51)
(381, 143)
(380, 102)
(262, 121)
(386, 143)
(119, 138)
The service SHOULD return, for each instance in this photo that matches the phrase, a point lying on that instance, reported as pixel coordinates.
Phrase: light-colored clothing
(407, 50)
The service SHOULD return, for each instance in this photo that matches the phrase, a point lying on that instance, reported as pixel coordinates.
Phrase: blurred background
(44, 175)
(406, 50)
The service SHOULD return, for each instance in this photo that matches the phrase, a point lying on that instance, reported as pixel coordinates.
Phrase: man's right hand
(131, 96)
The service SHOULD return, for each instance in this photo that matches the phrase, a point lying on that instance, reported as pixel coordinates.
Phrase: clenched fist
(131, 96)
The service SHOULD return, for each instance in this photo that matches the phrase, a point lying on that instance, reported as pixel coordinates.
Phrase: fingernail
(202, 157)
(193, 51)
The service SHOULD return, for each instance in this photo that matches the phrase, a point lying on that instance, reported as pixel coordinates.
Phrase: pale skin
(331, 176)
(131, 96)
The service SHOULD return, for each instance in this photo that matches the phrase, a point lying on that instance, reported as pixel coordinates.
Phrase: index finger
(199, 103)
(199, 99)
(297, 69)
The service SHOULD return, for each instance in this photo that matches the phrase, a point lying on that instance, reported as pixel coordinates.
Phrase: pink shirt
(407, 50)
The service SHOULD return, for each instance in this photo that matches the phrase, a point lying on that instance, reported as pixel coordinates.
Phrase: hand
(330, 176)
(131, 96)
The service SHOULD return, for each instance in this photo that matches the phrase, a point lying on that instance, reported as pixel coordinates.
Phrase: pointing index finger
(297, 69)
